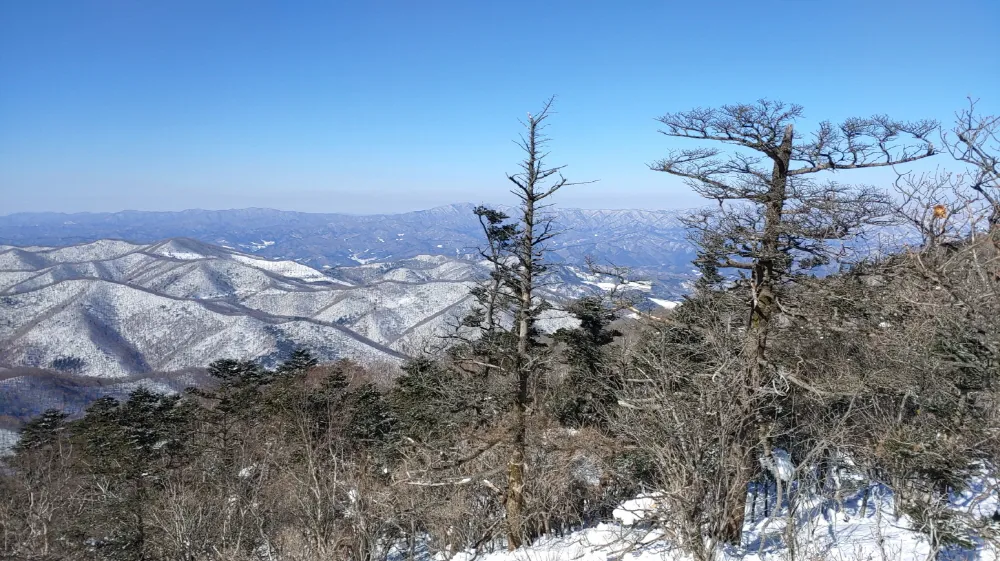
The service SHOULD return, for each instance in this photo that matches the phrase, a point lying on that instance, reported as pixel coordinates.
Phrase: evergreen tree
(372, 423)
(238, 394)
(130, 448)
(300, 362)
(433, 401)
(321, 405)
(41, 431)
(517, 254)
(588, 391)
(238, 372)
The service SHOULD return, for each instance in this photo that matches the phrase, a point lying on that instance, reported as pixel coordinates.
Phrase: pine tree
(41, 431)
(130, 447)
(372, 423)
(588, 392)
(300, 362)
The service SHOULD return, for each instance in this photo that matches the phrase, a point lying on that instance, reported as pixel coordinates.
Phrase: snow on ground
(779, 464)
(138, 309)
(822, 533)
(182, 255)
(8, 439)
(97, 250)
(289, 269)
(261, 245)
(668, 304)
(602, 542)
(635, 510)
(362, 260)
(9, 279)
(608, 282)
(644, 286)
(151, 385)
(16, 259)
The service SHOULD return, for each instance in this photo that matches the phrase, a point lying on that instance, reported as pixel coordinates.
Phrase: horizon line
(450, 205)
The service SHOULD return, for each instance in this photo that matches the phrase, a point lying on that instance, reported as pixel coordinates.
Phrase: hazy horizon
(236, 209)
(384, 108)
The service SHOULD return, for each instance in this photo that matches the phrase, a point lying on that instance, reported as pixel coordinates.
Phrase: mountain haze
(649, 240)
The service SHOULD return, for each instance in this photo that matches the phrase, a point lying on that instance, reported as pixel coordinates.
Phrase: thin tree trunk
(515, 468)
(528, 250)
(515, 481)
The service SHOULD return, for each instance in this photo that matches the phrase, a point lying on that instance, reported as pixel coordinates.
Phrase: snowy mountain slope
(27, 392)
(8, 439)
(111, 308)
(115, 309)
(117, 330)
(118, 309)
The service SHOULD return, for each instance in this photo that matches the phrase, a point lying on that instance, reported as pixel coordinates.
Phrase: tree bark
(526, 250)
(762, 308)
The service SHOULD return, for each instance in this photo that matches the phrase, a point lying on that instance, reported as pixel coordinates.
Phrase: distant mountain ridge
(129, 293)
(652, 240)
(115, 309)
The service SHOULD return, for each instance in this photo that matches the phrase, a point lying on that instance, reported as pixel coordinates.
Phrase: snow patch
(644, 286)
(643, 507)
(289, 269)
(262, 244)
(852, 534)
(668, 304)
(8, 439)
(182, 255)
(779, 463)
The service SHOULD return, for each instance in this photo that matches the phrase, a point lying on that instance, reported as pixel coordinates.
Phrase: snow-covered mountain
(111, 308)
(650, 240)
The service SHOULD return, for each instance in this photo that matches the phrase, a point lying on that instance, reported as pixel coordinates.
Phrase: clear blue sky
(367, 105)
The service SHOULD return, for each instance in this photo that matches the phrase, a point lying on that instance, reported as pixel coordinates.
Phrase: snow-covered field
(668, 304)
(861, 526)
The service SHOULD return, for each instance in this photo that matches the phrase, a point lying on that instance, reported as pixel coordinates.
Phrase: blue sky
(375, 106)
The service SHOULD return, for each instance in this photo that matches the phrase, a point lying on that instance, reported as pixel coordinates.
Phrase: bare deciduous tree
(975, 140)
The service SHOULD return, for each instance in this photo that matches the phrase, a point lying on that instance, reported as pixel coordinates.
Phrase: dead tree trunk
(518, 257)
